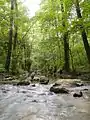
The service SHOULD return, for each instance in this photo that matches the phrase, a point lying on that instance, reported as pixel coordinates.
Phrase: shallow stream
(37, 103)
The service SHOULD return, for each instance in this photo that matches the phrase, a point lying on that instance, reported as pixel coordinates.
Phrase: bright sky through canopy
(32, 5)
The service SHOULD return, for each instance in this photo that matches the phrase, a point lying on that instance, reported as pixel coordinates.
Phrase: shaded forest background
(56, 38)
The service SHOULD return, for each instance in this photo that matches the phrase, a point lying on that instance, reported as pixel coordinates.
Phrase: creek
(38, 103)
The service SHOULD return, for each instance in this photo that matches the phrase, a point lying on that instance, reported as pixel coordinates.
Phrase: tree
(83, 32)
(49, 40)
(15, 39)
(16, 25)
(8, 59)
(66, 42)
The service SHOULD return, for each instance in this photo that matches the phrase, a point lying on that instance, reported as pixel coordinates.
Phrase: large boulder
(80, 94)
(58, 90)
(23, 83)
(44, 80)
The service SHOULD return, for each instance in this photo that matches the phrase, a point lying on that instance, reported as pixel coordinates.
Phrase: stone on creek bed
(78, 84)
(23, 83)
(79, 94)
(59, 90)
(69, 83)
(44, 80)
(36, 78)
(56, 84)
(33, 85)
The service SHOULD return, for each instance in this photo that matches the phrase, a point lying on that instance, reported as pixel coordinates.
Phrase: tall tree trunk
(66, 52)
(66, 43)
(83, 32)
(14, 54)
(8, 59)
(16, 26)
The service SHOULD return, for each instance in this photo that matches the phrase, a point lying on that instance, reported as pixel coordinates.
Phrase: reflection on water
(37, 103)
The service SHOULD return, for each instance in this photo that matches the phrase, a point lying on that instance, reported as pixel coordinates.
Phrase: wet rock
(33, 85)
(35, 101)
(59, 90)
(24, 91)
(44, 80)
(36, 78)
(4, 91)
(9, 78)
(29, 95)
(7, 75)
(23, 83)
(80, 94)
(56, 84)
(65, 76)
(50, 93)
(78, 84)
(84, 76)
(86, 89)
(42, 94)
(14, 84)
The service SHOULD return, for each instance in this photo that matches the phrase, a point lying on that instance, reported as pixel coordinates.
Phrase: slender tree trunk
(14, 54)
(24, 55)
(15, 38)
(16, 26)
(58, 42)
(83, 32)
(8, 59)
(72, 62)
(66, 52)
(66, 43)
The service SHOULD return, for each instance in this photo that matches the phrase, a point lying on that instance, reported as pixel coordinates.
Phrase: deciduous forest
(45, 60)
(57, 37)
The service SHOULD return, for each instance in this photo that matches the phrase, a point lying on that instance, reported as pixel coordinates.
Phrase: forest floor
(6, 78)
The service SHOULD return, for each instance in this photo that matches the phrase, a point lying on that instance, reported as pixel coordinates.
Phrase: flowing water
(37, 103)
